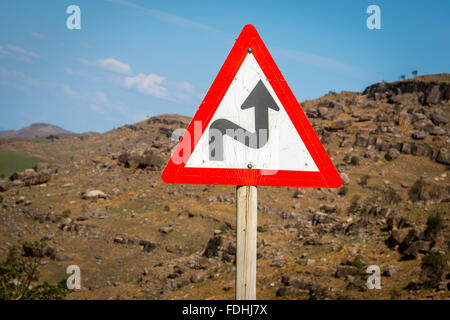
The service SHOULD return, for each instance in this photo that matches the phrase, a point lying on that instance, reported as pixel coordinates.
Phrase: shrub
(346, 157)
(433, 266)
(17, 274)
(354, 202)
(435, 192)
(364, 180)
(343, 190)
(356, 262)
(355, 199)
(51, 137)
(297, 193)
(417, 191)
(434, 224)
(390, 196)
(354, 161)
(224, 228)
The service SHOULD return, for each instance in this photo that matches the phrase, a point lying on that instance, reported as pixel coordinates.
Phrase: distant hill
(33, 131)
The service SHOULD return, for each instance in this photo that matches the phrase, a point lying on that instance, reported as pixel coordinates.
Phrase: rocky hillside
(102, 206)
(35, 130)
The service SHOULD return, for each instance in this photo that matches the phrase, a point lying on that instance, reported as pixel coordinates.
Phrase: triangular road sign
(250, 129)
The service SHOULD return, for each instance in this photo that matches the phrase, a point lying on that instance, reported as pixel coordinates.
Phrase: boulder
(414, 249)
(30, 177)
(36, 251)
(94, 194)
(36, 178)
(165, 229)
(419, 135)
(5, 185)
(199, 276)
(412, 236)
(440, 117)
(425, 125)
(137, 159)
(438, 131)
(339, 125)
(345, 178)
(61, 257)
(147, 245)
(433, 95)
(361, 141)
(423, 150)
(345, 270)
(120, 240)
(330, 110)
(382, 145)
(391, 270)
(396, 237)
(392, 154)
(328, 208)
(408, 148)
(404, 120)
(443, 156)
(397, 99)
(320, 217)
(213, 247)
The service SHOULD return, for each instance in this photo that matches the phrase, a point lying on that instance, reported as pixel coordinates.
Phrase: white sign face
(279, 146)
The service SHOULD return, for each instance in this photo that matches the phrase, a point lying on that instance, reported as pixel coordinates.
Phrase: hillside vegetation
(105, 208)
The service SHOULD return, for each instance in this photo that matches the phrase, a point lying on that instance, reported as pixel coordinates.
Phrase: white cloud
(79, 73)
(164, 16)
(68, 90)
(38, 36)
(18, 53)
(324, 63)
(186, 86)
(19, 79)
(109, 64)
(100, 97)
(114, 65)
(68, 70)
(97, 109)
(151, 84)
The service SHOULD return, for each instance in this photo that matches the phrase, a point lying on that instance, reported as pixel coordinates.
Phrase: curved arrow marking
(260, 99)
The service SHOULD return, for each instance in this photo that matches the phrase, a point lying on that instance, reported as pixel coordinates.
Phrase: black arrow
(260, 99)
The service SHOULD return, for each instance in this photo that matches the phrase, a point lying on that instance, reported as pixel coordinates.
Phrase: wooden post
(246, 214)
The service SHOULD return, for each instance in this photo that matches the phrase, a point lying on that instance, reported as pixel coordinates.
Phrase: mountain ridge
(35, 130)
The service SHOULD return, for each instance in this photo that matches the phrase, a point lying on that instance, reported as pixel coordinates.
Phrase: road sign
(250, 129)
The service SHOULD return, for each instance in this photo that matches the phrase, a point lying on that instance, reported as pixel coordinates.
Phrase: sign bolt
(249, 50)
(250, 165)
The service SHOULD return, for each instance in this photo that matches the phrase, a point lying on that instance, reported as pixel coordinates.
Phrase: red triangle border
(326, 177)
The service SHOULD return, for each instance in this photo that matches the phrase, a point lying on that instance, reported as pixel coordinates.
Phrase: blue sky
(133, 58)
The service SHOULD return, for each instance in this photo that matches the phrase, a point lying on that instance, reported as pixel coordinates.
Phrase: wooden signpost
(250, 131)
(246, 230)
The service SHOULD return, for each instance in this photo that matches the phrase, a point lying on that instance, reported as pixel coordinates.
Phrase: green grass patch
(11, 162)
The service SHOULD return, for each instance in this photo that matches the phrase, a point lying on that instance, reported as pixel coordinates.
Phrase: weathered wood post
(246, 217)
